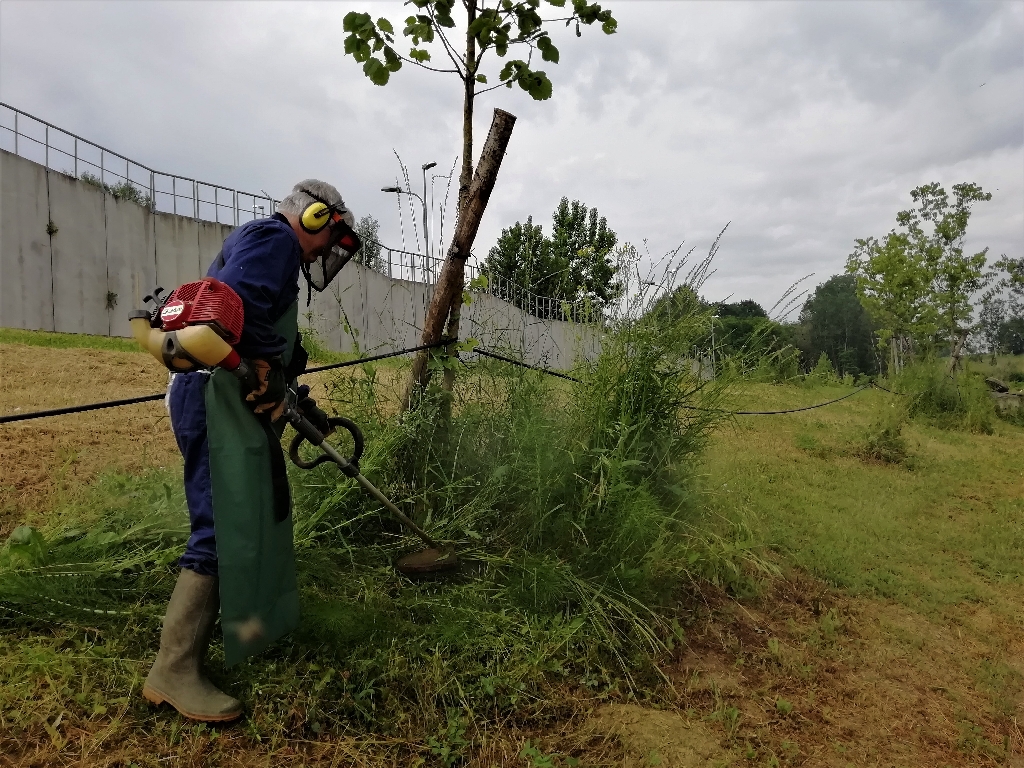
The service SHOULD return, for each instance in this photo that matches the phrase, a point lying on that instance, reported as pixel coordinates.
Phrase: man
(239, 555)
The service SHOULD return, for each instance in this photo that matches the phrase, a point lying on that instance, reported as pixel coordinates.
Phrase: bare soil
(43, 460)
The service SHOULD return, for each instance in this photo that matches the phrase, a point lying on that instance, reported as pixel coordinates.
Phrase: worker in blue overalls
(239, 558)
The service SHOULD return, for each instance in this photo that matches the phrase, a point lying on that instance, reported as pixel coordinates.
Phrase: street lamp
(423, 204)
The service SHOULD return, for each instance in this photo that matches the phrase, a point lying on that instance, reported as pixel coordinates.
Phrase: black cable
(797, 410)
(79, 408)
(520, 363)
(153, 397)
(361, 360)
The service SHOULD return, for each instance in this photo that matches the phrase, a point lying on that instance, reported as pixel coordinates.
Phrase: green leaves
(367, 38)
(499, 28)
(534, 82)
(547, 49)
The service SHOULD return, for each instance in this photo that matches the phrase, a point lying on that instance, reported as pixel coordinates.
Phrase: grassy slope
(932, 555)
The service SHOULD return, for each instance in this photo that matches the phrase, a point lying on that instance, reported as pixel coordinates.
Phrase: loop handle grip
(306, 431)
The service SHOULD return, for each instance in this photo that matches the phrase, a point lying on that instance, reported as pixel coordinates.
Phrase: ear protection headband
(318, 214)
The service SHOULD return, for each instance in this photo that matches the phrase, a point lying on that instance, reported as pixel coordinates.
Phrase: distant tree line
(912, 291)
(575, 262)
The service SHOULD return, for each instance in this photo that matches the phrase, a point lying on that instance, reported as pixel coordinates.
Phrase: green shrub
(951, 401)
(124, 190)
(884, 441)
(823, 371)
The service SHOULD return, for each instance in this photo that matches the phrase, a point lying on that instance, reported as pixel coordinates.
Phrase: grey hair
(299, 199)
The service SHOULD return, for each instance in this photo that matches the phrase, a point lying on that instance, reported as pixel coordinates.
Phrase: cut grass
(67, 340)
(948, 531)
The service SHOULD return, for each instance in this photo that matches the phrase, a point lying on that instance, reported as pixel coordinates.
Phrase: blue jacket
(261, 261)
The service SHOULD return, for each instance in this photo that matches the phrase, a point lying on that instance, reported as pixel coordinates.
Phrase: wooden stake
(450, 283)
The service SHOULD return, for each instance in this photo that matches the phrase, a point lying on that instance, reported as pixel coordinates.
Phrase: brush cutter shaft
(306, 431)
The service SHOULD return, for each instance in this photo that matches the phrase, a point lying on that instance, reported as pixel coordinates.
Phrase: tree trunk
(466, 176)
(450, 283)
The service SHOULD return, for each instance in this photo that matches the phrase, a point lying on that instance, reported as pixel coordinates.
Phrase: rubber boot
(176, 676)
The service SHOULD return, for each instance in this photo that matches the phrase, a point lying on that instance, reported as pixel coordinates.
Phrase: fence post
(46, 137)
(76, 157)
(174, 195)
(152, 191)
(15, 132)
(195, 198)
(234, 204)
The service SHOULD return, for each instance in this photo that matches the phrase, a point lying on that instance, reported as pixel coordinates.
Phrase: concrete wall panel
(79, 256)
(177, 250)
(118, 250)
(26, 290)
(211, 238)
(131, 260)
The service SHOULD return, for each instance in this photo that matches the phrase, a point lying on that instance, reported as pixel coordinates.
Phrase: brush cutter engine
(193, 328)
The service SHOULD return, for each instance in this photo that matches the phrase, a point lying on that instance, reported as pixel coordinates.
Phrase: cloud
(804, 124)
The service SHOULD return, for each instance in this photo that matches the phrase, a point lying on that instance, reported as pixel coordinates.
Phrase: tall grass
(572, 506)
(957, 400)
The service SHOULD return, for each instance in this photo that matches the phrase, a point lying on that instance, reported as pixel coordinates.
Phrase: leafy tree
(833, 322)
(956, 276)
(917, 283)
(500, 27)
(576, 262)
(1001, 317)
(368, 229)
(739, 327)
(582, 243)
(745, 309)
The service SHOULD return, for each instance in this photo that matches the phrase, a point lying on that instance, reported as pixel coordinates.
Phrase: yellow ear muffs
(316, 217)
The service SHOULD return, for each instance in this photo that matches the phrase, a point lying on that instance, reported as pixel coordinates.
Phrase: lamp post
(423, 204)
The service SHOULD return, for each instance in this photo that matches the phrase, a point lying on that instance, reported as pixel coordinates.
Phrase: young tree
(894, 284)
(917, 283)
(957, 277)
(500, 27)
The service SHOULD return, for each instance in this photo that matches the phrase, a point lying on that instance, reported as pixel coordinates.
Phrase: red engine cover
(205, 302)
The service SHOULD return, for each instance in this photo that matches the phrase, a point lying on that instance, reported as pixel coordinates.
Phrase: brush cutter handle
(307, 432)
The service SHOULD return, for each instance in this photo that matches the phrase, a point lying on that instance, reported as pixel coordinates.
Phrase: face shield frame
(345, 244)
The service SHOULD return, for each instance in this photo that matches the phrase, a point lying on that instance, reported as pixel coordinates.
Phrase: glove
(307, 407)
(268, 396)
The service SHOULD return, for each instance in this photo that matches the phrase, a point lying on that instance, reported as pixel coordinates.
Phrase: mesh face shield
(321, 272)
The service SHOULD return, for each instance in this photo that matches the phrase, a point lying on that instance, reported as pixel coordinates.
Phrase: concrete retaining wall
(105, 255)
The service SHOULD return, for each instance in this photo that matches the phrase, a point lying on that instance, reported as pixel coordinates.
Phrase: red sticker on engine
(171, 310)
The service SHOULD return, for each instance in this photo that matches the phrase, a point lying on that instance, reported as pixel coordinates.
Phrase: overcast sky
(804, 124)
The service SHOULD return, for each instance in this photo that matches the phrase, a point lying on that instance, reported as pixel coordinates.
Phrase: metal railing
(65, 152)
(419, 268)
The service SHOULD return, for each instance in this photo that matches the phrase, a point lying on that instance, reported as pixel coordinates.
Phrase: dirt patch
(654, 737)
(43, 460)
(809, 677)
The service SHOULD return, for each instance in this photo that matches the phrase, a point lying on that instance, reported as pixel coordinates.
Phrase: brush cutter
(435, 557)
(195, 327)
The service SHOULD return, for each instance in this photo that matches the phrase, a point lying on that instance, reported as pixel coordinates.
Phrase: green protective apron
(259, 596)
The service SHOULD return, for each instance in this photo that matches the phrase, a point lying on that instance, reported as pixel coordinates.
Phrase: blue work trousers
(188, 420)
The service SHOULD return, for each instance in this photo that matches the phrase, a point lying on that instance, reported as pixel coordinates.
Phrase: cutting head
(424, 562)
